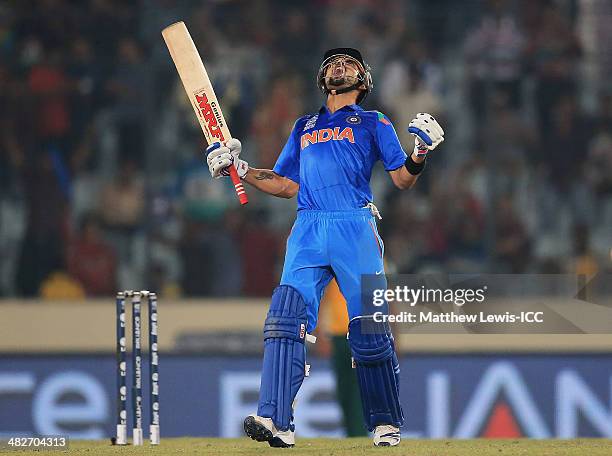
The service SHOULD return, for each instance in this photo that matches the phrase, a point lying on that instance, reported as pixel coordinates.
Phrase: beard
(336, 81)
(341, 82)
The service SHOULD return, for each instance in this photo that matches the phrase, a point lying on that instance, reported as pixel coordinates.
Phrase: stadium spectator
(412, 79)
(121, 207)
(261, 251)
(47, 94)
(553, 52)
(599, 161)
(584, 262)
(494, 57)
(43, 244)
(511, 241)
(281, 107)
(127, 90)
(91, 260)
(61, 286)
(564, 144)
(122, 200)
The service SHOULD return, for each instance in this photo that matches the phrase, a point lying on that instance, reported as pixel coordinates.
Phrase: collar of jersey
(352, 107)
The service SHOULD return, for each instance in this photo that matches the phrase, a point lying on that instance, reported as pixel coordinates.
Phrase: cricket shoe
(263, 430)
(387, 435)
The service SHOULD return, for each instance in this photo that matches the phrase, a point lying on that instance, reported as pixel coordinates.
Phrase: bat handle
(242, 196)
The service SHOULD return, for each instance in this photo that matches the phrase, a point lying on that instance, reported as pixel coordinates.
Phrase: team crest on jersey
(311, 122)
(326, 134)
(355, 120)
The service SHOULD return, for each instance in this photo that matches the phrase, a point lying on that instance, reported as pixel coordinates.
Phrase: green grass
(341, 447)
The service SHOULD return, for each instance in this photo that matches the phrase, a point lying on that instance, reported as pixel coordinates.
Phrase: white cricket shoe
(387, 435)
(263, 430)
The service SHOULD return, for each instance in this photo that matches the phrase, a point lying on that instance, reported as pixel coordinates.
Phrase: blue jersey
(331, 156)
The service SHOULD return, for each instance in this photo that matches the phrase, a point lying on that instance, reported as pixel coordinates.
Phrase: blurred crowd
(103, 185)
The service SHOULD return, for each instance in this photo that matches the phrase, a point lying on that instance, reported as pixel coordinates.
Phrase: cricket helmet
(364, 77)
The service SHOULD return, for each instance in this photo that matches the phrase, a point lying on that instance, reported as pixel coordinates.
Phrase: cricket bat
(200, 92)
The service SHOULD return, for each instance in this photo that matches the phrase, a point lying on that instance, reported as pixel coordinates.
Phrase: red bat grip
(242, 196)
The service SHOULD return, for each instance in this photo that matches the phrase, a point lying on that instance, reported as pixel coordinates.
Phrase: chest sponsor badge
(354, 120)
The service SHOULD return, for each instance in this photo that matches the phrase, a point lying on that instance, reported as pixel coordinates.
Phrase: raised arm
(428, 135)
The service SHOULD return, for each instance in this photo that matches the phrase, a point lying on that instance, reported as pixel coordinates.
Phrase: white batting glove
(427, 133)
(220, 157)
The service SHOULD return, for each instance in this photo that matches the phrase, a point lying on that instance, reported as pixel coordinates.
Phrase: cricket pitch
(341, 447)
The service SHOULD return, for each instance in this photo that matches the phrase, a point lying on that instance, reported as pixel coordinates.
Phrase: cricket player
(327, 162)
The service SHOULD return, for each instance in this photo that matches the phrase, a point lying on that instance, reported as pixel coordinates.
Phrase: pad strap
(285, 327)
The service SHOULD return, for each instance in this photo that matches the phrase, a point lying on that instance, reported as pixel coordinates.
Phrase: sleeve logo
(311, 122)
(383, 119)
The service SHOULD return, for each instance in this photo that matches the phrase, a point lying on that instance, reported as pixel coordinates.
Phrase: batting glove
(219, 157)
(427, 133)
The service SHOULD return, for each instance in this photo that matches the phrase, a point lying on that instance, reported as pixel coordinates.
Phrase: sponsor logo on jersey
(326, 134)
(355, 120)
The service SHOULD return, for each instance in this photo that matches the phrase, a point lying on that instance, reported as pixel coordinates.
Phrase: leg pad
(378, 370)
(284, 356)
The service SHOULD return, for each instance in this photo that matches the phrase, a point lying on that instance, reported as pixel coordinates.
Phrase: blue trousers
(326, 244)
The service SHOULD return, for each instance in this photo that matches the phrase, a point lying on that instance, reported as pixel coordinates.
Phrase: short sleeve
(288, 162)
(391, 152)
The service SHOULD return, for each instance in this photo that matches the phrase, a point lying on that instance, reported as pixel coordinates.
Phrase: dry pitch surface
(341, 447)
